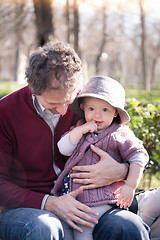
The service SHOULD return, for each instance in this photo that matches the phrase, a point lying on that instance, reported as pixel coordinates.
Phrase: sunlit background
(118, 38)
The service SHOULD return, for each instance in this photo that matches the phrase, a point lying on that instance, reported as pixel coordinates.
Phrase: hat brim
(75, 108)
(124, 116)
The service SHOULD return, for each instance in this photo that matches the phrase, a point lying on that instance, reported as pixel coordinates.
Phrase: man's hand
(71, 211)
(103, 173)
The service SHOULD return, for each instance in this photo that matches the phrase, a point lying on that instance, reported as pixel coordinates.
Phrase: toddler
(102, 104)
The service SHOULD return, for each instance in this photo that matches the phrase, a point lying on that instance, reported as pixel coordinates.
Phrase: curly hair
(51, 61)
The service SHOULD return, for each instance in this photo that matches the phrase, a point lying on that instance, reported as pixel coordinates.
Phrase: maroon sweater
(26, 152)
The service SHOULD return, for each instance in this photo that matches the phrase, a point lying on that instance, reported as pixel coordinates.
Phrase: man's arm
(103, 173)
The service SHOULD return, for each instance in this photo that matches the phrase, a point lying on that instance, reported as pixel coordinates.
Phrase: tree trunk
(146, 84)
(153, 67)
(76, 26)
(67, 14)
(16, 64)
(19, 18)
(104, 35)
(44, 20)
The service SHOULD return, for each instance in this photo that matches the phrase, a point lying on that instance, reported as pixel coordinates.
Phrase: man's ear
(81, 106)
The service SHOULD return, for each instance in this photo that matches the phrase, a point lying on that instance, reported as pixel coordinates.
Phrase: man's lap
(28, 223)
(117, 224)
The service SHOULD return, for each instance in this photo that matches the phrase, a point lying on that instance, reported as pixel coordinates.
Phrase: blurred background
(118, 38)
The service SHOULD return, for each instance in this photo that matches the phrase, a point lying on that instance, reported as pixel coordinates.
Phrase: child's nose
(98, 113)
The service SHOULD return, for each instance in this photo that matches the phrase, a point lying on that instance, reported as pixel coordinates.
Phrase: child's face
(98, 111)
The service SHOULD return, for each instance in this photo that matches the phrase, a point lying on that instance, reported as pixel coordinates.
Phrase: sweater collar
(42, 111)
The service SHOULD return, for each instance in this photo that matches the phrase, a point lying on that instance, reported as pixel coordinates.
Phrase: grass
(141, 95)
(10, 85)
(145, 183)
(130, 93)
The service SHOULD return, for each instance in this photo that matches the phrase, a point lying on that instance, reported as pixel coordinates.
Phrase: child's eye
(104, 109)
(90, 108)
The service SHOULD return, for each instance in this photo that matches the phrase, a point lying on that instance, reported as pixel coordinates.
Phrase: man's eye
(91, 109)
(104, 109)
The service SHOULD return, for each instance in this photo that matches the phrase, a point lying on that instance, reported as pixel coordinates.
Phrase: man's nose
(62, 109)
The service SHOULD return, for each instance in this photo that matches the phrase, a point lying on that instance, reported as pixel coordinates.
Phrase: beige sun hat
(107, 89)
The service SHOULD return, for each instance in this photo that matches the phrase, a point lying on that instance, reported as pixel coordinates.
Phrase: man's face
(57, 100)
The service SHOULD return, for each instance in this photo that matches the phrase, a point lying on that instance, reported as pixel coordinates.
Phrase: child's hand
(125, 196)
(76, 134)
(89, 127)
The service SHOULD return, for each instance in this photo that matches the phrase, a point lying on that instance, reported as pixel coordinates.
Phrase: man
(32, 120)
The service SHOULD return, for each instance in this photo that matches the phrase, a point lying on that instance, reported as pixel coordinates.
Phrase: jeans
(34, 224)
(117, 224)
(29, 224)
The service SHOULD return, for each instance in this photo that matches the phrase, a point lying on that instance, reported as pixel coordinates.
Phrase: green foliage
(4, 93)
(143, 96)
(145, 122)
(7, 87)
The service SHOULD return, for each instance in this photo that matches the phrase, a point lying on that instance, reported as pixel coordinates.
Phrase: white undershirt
(51, 119)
